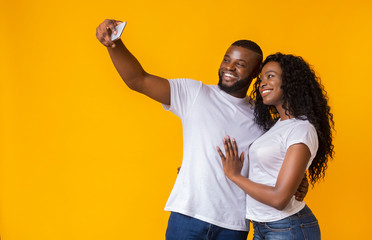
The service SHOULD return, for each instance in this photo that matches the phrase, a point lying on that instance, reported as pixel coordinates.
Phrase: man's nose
(230, 66)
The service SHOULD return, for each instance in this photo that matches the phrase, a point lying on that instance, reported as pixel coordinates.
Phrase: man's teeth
(229, 75)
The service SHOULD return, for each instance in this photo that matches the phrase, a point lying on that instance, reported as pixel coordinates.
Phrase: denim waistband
(305, 211)
(302, 213)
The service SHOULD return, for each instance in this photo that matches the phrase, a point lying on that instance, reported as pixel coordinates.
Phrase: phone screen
(119, 31)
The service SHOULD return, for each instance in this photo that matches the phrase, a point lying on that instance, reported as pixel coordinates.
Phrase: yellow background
(83, 157)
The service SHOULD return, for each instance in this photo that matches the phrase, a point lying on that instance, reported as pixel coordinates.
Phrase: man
(204, 204)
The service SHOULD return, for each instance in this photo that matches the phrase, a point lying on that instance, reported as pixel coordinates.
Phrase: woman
(291, 105)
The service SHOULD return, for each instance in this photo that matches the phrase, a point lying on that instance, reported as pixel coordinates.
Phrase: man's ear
(255, 73)
(258, 67)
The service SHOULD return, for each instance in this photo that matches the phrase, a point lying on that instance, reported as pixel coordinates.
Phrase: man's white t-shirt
(266, 156)
(201, 189)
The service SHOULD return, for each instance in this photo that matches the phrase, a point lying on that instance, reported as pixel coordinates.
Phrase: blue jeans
(182, 227)
(302, 225)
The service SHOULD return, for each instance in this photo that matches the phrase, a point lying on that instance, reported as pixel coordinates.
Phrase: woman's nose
(262, 82)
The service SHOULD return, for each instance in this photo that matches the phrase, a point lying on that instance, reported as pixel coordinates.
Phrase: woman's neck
(282, 114)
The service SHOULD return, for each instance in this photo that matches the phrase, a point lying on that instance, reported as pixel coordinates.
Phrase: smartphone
(119, 31)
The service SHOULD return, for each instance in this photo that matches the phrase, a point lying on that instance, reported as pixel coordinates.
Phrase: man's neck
(238, 94)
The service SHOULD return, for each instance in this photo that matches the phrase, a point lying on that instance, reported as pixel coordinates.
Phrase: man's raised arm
(130, 70)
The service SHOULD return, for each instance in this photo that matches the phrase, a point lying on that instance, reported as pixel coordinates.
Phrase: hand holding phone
(119, 31)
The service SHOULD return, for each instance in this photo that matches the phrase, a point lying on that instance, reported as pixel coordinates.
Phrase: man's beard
(237, 86)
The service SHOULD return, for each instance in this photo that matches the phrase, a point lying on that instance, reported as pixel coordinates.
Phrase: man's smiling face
(237, 69)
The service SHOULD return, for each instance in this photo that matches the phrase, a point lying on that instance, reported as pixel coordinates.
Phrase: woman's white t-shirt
(266, 156)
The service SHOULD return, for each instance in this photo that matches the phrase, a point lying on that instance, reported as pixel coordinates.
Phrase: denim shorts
(302, 225)
(182, 227)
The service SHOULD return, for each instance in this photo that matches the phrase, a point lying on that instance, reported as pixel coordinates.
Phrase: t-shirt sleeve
(183, 94)
(304, 133)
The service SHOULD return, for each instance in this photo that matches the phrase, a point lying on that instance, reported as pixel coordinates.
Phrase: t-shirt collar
(232, 98)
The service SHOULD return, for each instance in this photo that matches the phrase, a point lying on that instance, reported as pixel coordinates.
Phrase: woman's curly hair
(304, 97)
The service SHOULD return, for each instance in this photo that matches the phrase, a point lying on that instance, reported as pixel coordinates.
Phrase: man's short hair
(248, 44)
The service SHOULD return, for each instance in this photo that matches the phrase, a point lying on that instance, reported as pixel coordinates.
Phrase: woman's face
(271, 82)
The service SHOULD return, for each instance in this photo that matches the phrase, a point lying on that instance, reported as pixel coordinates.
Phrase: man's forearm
(128, 67)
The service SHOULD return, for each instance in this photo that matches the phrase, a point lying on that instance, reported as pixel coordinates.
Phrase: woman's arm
(289, 178)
